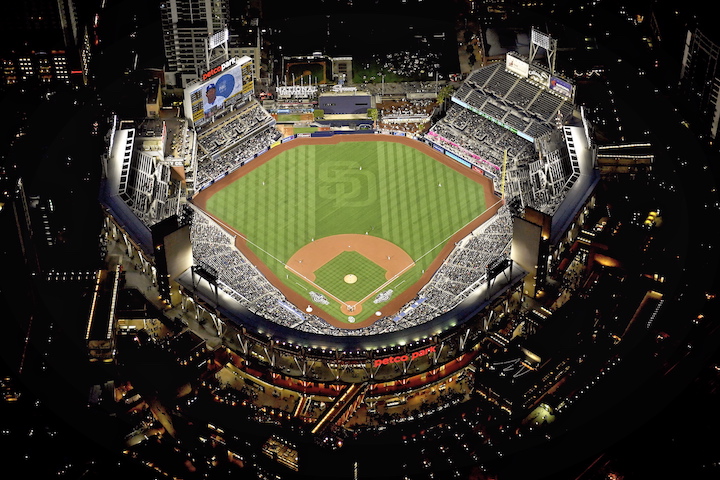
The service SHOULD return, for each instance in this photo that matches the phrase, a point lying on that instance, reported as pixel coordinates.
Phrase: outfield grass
(387, 189)
(373, 74)
(288, 117)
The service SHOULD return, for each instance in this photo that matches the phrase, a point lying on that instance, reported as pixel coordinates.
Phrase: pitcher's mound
(350, 278)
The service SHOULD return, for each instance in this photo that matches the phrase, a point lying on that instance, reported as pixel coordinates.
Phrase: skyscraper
(187, 24)
(40, 40)
(700, 75)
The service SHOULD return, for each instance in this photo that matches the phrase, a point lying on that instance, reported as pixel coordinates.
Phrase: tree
(445, 93)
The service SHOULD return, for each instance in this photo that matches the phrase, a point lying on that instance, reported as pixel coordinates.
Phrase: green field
(386, 189)
(287, 117)
(305, 129)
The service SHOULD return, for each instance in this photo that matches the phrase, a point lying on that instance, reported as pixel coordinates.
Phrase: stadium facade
(514, 122)
(700, 75)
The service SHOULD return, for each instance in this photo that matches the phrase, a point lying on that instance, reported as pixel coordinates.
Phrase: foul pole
(502, 180)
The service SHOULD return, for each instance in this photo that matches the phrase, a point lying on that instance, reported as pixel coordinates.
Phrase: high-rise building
(40, 23)
(700, 75)
(187, 26)
(41, 40)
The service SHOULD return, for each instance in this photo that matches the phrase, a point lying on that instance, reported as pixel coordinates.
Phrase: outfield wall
(279, 142)
(475, 167)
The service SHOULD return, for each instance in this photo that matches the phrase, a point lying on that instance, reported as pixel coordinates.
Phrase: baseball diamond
(381, 208)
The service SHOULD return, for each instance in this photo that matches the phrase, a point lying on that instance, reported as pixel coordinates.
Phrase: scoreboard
(230, 83)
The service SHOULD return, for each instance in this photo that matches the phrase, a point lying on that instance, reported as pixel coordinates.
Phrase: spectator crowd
(232, 140)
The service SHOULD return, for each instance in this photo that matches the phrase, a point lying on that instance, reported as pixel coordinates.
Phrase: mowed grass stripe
(408, 207)
(426, 175)
(270, 220)
(416, 214)
(453, 197)
(302, 185)
(408, 198)
(393, 223)
(424, 235)
(387, 183)
(437, 220)
(308, 200)
(297, 228)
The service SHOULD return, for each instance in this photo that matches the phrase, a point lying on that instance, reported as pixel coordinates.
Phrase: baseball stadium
(355, 265)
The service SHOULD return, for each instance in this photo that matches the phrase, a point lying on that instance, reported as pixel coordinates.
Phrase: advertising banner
(516, 66)
(247, 77)
(458, 159)
(537, 75)
(404, 357)
(561, 87)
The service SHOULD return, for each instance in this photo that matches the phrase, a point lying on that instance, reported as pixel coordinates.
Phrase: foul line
(314, 284)
(247, 240)
(392, 279)
(442, 242)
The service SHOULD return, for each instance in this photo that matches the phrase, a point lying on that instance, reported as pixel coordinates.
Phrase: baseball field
(349, 223)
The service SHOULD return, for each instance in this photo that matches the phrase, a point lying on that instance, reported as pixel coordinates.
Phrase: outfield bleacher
(233, 139)
(232, 128)
(469, 135)
(496, 111)
(514, 101)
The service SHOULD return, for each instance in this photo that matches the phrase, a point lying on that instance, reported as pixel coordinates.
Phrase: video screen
(204, 100)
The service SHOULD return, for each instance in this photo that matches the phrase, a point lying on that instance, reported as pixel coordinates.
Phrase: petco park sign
(403, 358)
(219, 68)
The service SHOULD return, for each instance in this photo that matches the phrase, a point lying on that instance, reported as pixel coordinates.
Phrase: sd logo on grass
(347, 184)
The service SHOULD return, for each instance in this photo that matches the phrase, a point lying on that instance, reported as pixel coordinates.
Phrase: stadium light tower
(540, 39)
(213, 42)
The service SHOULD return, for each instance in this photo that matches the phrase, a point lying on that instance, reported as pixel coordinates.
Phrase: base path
(319, 252)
